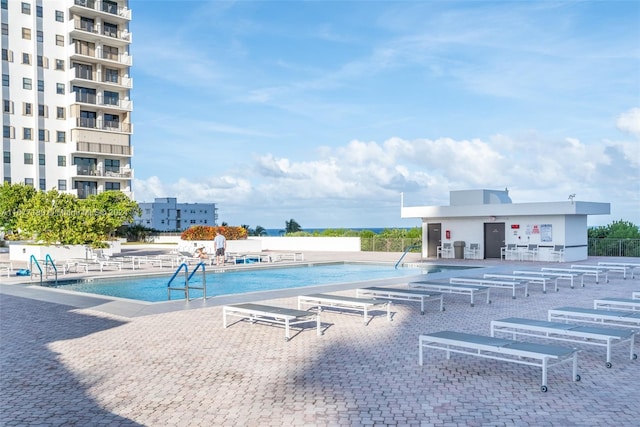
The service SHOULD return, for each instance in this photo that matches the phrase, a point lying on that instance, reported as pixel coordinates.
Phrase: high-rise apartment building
(66, 107)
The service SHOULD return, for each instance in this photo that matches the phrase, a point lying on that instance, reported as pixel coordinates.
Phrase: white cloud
(629, 122)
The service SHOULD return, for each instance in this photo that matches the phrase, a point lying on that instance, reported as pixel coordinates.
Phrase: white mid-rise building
(166, 214)
(66, 82)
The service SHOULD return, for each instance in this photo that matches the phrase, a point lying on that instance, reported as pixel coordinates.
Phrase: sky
(325, 112)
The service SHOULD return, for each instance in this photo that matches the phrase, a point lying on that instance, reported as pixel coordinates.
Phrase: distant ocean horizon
(377, 230)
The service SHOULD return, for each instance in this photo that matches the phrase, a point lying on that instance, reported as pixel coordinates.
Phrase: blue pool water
(154, 289)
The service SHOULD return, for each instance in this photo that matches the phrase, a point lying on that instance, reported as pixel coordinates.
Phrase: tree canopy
(616, 230)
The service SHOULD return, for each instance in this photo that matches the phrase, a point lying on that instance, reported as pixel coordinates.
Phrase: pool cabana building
(489, 220)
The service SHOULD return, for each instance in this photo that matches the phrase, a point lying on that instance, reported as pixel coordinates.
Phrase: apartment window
(26, 58)
(5, 80)
(41, 159)
(28, 159)
(43, 184)
(42, 110)
(85, 48)
(62, 184)
(40, 85)
(26, 33)
(61, 136)
(110, 29)
(43, 135)
(27, 109)
(5, 54)
(27, 133)
(7, 156)
(111, 186)
(7, 106)
(111, 75)
(60, 64)
(112, 165)
(111, 121)
(59, 40)
(7, 131)
(109, 6)
(4, 4)
(83, 71)
(5, 29)
(60, 113)
(43, 61)
(111, 98)
(39, 11)
(39, 36)
(62, 161)
(59, 16)
(28, 181)
(26, 8)
(88, 119)
(26, 83)
(60, 88)
(110, 52)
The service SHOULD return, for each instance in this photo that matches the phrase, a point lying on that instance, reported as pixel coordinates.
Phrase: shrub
(208, 232)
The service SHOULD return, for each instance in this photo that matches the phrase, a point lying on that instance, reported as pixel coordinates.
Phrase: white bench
(521, 277)
(402, 295)
(631, 266)
(556, 275)
(449, 288)
(293, 256)
(584, 271)
(603, 337)
(625, 304)
(523, 353)
(334, 301)
(493, 283)
(592, 315)
(271, 314)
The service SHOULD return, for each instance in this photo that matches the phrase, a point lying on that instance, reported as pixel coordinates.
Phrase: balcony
(120, 173)
(99, 55)
(111, 149)
(103, 8)
(99, 78)
(99, 124)
(107, 103)
(99, 32)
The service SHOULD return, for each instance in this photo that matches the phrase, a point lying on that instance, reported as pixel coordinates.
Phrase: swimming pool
(154, 289)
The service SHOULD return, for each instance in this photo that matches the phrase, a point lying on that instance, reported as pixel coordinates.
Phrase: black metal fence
(614, 247)
(383, 244)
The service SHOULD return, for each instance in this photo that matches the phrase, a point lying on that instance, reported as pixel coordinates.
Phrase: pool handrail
(32, 259)
(187, 276)
(49, 260)
(405, 253)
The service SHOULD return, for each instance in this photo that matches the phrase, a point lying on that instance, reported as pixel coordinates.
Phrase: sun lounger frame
(493, 283)
(604, 268)
(541, 355)
(582, 271)
(402, 295)
(631, 266)
(270, 314)
(602, 337)
(530, 279)
(450, 288)
(635, 295)
(322, 301)
(557, 275)
(624, 304)
(625, 319)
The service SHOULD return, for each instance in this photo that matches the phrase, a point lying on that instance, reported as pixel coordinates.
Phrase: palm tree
(292, 226)
(259, 231)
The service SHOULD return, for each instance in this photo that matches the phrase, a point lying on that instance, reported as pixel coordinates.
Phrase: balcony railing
(101, 100)
(103, 30)
(98, 53)
(91, 75)
(122, 173)
(105, 7)
(109, 125)
(96, 147)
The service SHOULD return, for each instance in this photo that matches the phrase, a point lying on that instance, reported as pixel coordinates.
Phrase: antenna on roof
(571, 197)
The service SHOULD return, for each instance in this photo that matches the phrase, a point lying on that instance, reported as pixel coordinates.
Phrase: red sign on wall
(515, 226)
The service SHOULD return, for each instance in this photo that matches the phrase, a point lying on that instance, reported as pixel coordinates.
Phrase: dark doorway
(493, 239)
(434, 236)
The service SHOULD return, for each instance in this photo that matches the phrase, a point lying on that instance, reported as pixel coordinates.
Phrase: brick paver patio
(64, 366)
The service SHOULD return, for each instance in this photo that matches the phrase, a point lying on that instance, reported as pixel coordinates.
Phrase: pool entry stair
(188, 276)
(49, 266)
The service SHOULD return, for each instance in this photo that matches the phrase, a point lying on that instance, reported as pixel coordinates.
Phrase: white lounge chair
(472, 252)
(445, 251)
(270, 314)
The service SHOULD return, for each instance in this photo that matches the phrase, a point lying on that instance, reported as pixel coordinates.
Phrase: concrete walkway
(66, 362)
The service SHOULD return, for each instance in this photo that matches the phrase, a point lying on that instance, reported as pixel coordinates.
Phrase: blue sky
(326, 111)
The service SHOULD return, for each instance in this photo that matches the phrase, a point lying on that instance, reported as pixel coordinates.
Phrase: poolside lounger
(553, 274)
(271, 314)
(523, 353)
(542, 280)
(624, 304)
(604, 268)
(402, 295)
(450, 288)
(635, 295)
(292, 256)
(334, 301)
(493, 283)
(603, 337)
(590, 315)
(631, 266)
(584, 271)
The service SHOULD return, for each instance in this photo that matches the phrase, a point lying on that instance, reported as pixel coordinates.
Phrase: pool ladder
(188, 277)
(47, 260)
(405, 254)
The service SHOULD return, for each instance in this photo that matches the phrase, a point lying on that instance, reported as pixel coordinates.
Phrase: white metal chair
(509, 252)
(531, 253)
(445, 251)
(557, 254)
(472, 252)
